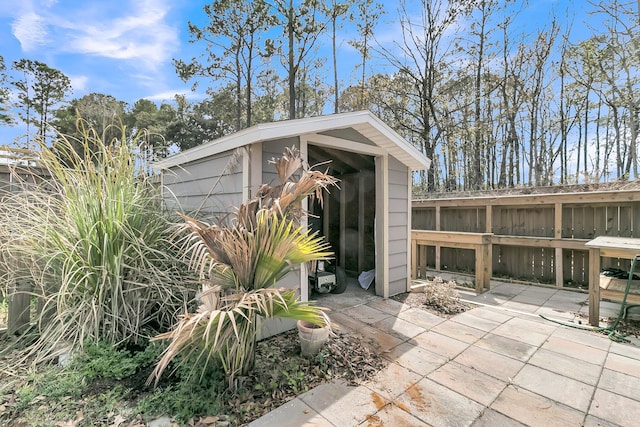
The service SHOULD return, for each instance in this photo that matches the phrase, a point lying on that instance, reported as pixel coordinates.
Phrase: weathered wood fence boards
(536, 238)
(16, 171)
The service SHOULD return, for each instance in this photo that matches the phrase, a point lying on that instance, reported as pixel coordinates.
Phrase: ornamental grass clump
(93, 244)
(239, 262)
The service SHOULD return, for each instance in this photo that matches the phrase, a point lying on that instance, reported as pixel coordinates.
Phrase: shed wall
(211, 186)
(5, 180)
(398, 225)
(274, 149)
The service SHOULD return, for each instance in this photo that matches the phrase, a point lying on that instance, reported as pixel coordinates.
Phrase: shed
(367, 220)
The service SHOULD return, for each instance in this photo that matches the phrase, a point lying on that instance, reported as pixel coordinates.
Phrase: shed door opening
(347, 219)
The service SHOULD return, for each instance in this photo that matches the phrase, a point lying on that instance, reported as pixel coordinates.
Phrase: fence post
(19, 300)
(19, 305)
(594, 286)
(557, 234)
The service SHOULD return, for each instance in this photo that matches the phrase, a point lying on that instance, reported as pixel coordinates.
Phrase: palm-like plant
(240, 263)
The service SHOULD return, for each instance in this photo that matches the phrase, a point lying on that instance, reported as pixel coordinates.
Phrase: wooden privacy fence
(16, 169)
(535, 238)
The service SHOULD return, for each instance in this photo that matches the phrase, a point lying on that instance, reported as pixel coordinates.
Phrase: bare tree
(421, 57)
(620, 68)
(234, 40)
(301, 27)
(512, 100)
(537, 86)
(334, 11)
(477, 48)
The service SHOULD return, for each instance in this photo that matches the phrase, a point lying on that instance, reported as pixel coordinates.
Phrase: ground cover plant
(105, 385)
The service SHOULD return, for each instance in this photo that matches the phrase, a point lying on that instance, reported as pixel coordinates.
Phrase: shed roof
(363, 122)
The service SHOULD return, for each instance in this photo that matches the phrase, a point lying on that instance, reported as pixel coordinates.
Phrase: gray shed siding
(348, 134)
(398, 225)
(199, 185)
(274, 149)
(5, 179)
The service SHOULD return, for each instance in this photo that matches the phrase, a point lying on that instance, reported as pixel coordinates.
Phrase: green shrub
(92, 383)
(103, 360)
(178, 399)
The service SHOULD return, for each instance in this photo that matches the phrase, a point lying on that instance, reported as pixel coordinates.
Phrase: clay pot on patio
(312, 338)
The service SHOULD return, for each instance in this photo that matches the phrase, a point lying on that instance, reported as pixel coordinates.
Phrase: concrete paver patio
(499, 364)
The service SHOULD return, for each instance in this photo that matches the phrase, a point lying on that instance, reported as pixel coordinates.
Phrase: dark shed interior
(347, 219)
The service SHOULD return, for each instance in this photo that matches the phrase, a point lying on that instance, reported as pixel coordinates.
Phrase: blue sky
(118, 47)
(124, 47)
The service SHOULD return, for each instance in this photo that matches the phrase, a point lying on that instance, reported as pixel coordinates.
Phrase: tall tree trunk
(578, 151)
(586, 134)
(249, 80)
(238, 89)
(336, 89)
(292, 65)
(598, 118)
(476, 152)
(563, 118)
(365, 53)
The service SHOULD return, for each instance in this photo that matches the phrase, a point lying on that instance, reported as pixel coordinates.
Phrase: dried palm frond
(226, 330)
(297, 182)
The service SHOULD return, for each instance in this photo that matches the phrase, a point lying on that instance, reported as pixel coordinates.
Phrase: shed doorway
(347, 219)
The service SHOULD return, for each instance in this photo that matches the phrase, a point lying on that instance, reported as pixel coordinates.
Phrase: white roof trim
(354, 147)
(376, 130)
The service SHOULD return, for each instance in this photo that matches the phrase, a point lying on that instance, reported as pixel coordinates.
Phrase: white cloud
(79, 83)
(124, 30)
(169, 95)
(31, 30)
(140, 34)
